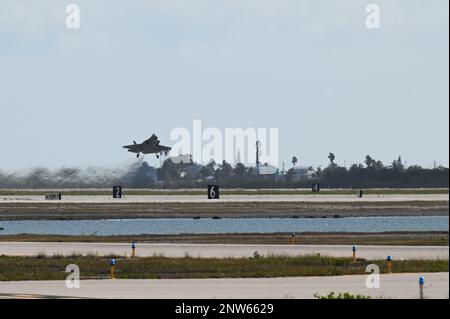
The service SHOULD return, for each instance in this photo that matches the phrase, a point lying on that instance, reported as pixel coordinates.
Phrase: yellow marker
(389, 264)
(292, 239)
(113, 269)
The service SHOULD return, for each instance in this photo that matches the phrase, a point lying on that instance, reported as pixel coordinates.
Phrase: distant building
(303, 173)
(268, 170)
(182, 159)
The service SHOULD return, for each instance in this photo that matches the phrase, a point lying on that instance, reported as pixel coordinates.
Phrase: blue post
(421, 284)
(354, 253)
(133, 250)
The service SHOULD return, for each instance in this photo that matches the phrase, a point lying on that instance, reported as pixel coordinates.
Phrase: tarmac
(323, 198)
(221, 250)
(405, 286)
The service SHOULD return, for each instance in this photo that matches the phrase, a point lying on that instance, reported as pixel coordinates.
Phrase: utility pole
(258, 145)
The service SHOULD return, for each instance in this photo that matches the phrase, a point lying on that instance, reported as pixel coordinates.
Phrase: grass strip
(44, 267)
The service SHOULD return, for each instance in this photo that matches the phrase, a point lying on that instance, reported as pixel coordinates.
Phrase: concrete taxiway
(323, 198)
(221, 251)
(391, 286)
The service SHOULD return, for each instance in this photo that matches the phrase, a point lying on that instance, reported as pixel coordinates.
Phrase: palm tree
(332, 157)
(294, 161)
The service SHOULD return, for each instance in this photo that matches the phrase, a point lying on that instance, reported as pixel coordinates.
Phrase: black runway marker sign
(53, 196)
(213, 192)
(117, 192)
(316, 188)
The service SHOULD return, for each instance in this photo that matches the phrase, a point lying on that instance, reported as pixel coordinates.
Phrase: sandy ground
(222, 251)
(229, 198)
(391, 286)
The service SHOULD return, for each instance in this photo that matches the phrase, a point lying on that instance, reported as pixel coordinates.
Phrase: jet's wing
(135, 148)
(165, 148)
(131, 146)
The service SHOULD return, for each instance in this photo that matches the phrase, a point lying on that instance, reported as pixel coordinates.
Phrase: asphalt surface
(391, 286)
(228, 198)
(221, 251)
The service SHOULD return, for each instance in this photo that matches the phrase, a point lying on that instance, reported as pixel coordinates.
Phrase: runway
(91, 207)
(323, 198)
(391, 286)
(221, 251)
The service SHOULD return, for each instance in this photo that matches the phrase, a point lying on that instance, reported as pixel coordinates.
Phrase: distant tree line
(375, 174)
(371, 174)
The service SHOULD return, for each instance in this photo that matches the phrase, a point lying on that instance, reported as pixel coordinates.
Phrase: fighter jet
(150, 146)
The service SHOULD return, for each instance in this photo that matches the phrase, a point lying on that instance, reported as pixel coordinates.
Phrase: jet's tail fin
(134, 142)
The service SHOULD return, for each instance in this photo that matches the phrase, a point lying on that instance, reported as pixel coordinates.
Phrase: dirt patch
(90, 211)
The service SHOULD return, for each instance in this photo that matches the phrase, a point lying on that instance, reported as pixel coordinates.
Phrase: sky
(312, 69)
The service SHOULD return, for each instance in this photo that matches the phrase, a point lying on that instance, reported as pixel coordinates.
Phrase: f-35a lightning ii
(150, 146)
